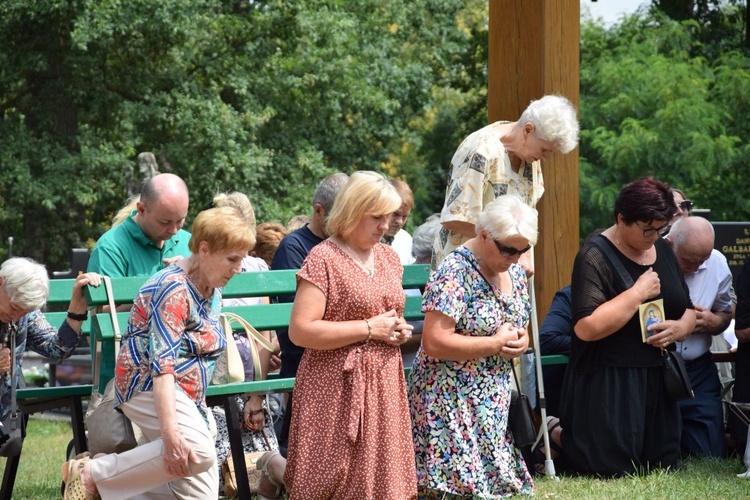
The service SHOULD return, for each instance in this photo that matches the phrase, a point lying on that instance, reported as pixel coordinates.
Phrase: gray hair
(554, 119)
(509, 216)
(424, 237)
(686, 228)
(327, 190)
(26, 282)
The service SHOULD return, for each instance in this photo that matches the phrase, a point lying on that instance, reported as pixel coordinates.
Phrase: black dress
(741, 391)
(616, 415)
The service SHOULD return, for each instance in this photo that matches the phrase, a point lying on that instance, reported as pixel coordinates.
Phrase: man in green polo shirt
(151, 237)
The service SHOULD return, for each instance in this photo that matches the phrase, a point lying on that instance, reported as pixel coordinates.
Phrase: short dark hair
(645, 200)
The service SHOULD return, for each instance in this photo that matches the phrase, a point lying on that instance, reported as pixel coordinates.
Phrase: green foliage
(654, 102)
(266, 97)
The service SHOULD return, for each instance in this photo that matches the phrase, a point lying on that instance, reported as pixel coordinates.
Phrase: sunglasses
(510, 251)
(686, 205)
(648, 232)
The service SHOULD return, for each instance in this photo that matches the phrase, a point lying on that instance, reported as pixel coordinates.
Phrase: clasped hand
(391, 328)
(513, 340)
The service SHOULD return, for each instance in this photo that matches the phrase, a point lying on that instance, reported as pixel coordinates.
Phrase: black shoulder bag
(520, 413)
(12, 430)
(676, 377)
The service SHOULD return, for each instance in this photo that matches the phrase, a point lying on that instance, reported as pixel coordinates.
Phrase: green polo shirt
(125, 251)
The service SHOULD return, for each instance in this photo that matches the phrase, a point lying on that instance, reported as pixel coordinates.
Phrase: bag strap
(13, 382)
(614, 260)
(115, 328)
(252, 333)
(515, 377)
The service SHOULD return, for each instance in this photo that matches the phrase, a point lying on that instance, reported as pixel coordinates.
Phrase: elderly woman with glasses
(476, 307)
(616, 415)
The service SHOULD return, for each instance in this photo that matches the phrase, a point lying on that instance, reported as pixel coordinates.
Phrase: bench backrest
(251, 284)
(60, 291)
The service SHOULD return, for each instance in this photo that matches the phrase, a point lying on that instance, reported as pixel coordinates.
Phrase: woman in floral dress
(476, 306)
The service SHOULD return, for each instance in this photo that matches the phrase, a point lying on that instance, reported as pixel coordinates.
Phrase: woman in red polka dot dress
(350, 436)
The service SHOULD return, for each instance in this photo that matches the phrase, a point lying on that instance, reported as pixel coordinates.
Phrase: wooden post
(533, 51)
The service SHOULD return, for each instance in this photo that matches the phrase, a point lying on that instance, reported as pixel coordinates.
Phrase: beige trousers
(140, 472)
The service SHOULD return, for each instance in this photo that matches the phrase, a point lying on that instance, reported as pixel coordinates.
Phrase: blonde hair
(238, 201)
(223, 228)
(366, 193)
(297, 222)
(126, 210)
(268, 237)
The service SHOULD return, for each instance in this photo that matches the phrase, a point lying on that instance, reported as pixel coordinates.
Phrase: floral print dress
(459, 409)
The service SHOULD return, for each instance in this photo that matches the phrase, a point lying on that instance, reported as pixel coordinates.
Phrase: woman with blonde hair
(163, 369)
(350, 431)
(257, 425)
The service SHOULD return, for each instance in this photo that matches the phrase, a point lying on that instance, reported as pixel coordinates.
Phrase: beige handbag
(109, 431)
(229, 364)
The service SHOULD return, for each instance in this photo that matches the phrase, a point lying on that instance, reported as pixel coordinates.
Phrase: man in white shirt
(709, 279)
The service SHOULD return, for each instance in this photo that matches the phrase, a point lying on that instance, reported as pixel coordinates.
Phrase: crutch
(549, 465)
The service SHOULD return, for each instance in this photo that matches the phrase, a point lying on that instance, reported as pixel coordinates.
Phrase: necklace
(622, 249)
(370, 272)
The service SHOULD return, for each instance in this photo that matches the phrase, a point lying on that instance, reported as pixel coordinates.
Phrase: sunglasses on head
(510, 251)
(686, 205)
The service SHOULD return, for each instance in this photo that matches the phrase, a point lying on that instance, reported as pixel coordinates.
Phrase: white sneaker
(744, 475)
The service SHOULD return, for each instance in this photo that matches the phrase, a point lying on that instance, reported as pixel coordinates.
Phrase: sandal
(537, 449)
(71, 474)
(262, 465)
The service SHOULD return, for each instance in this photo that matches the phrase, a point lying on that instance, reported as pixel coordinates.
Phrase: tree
(266, 97)
(649, 106)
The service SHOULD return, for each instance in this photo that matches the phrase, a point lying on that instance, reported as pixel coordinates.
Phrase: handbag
(521, 417)
(253, 474)
(13, 425)
(231, 368)
(676, 376)
(109, 431)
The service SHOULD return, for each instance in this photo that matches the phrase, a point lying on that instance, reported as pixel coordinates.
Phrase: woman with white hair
(476, 306)
(24, 286)
(503, 158)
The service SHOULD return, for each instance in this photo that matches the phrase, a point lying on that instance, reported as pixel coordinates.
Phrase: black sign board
(733, 240)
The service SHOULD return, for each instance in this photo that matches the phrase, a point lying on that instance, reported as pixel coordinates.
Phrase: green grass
(44, 452)
(699, 479)
(41, 460)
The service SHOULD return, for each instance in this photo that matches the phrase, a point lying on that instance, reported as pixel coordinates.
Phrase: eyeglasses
(650, 231)
(510, 251)
(686, 206)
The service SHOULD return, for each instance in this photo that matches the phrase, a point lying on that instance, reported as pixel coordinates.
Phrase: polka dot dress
(350, 436)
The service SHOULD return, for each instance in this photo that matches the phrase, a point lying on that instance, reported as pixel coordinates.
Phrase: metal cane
(549, 465)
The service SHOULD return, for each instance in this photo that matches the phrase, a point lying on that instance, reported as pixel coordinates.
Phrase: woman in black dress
(616, 415)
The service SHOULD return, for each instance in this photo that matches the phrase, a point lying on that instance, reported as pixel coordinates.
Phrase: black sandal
(538, 451)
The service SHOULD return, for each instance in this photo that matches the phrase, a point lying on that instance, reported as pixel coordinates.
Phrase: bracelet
(369, 331)
(78, 317)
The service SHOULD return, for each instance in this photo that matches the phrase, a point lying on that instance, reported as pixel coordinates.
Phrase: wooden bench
(37, 399)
